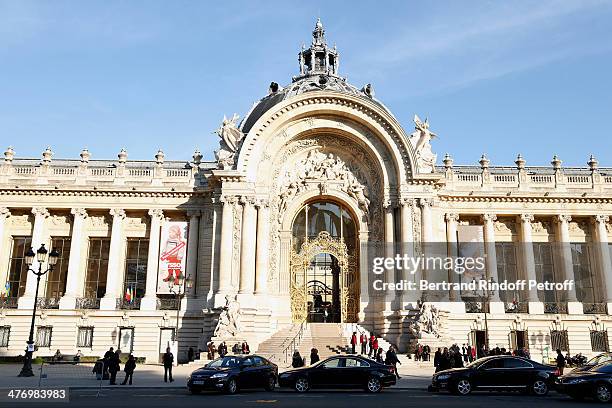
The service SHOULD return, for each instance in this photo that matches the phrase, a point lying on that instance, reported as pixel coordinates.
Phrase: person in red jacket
(353, 342)
(371, 345)
(375, 346)
(363, 340)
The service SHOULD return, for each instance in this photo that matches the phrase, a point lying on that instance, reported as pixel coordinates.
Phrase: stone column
(495, 304)
(528, 261)
(604, 258)
(40, 215)
(451, 238)
(248, 242)
(407, 245)
(263, 248)
(4, 215)
(191, 267)
(114, 274)
(389, 249)
(426, 231)
(75, 273)
(567, 266)
(149, 301)
(225, 256)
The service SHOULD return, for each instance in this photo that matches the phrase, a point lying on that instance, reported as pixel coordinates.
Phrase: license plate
(198, 382)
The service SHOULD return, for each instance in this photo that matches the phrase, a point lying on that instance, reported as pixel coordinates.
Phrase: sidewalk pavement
(151, 376)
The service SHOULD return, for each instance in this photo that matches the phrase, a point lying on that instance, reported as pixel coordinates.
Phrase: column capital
(599, 218)
(40, 211)
(117, 213)
(156, 213)
(262, 203)
(248, 200)
(489, 217)
(563, 218)
(406, 201)
(388, 204)
(526, 218)
(426, 202)
(451, 217)
(193, 213)
(79, 212)
(228, 199)
(4, 212)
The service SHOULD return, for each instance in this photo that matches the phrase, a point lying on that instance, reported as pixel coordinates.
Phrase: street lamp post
(178, 289)
(41, 257)
(484, 297)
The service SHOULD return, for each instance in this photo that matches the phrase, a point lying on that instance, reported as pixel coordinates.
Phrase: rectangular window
(506, 269)
(56, 279)
(583, 276)
(43, 336)
(136, 267)
(559, 340)
(126, 339)
(18, 269)
(97, 267)
(85, 337)
(545, 269)
(599, 341)
(5, 332)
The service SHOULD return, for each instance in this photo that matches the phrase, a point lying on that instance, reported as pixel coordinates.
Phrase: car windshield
(599, 359)
(224, 362)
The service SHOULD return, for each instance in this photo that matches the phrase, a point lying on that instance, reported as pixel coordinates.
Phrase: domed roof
(318, 72)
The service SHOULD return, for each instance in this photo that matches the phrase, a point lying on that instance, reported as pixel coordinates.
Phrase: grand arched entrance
(324, 277)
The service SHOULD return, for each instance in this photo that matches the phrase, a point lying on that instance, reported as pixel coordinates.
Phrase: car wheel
(270, 384)
(302, 385)
(603, 393)
(539, 387)
(463, 387)
(232, 386)
(373, 385)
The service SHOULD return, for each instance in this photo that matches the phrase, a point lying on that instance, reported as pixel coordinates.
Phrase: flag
(128, 295)
(131, 294)
(7, 290)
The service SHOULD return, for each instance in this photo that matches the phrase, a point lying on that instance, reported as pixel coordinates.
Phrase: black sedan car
(595, 361)
(231, 373)
(502, 373)
(340, 372)
(594, 383)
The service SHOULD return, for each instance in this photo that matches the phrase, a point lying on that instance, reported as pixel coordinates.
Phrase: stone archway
(349, 276)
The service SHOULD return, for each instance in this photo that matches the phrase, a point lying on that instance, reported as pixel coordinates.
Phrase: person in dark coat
(379, 356)
(458, 359)
(560, 361)
(437, 358)
(114, 367)
(392, 360)
(190, 353)
(129, 368)
(363, 340)
(297, 360)
(445, 360)
(314, 356)
(168, 360)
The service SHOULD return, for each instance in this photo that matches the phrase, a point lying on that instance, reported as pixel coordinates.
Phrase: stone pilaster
(114, 276)
(225, 255)
(604, 258)
(567, 266)
(149, 301)
(495, 304)
(407, 240)
(75, 273)
(528, 263)
(248, 242)
(262, 262)
(451, 239)
(4, 215)
(38, 238)
(191, 267)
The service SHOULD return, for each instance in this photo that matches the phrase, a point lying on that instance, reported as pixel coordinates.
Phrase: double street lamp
(177, 288)
(484, 296)
(41, 257)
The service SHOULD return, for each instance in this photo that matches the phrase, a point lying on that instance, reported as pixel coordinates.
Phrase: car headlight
(443, 377)
(219, 375)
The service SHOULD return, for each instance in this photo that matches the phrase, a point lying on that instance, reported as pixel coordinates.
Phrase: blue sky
(501, 78)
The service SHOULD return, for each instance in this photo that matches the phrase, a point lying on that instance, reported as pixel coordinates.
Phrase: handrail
(293, 342)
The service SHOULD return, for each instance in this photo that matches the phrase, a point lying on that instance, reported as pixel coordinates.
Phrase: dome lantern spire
(319, 58)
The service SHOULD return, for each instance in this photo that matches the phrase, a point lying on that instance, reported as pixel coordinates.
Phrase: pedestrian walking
(130, 366)
(314, 356)
(222, 350)
(371, 345)
(392, 360)
(245, 348)
(379, 356)
(168, 360)
(113, 367)
(437, 358)
(297, 360)
(375, 346)
(560, 362)
(353, 342)
(211, 350)
(363, 340)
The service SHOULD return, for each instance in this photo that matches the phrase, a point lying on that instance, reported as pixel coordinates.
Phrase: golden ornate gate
(349, 277)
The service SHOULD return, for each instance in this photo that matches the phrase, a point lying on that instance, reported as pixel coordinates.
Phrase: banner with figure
(172, 255)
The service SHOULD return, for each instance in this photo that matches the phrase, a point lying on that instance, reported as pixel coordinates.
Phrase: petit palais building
(272, 241)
